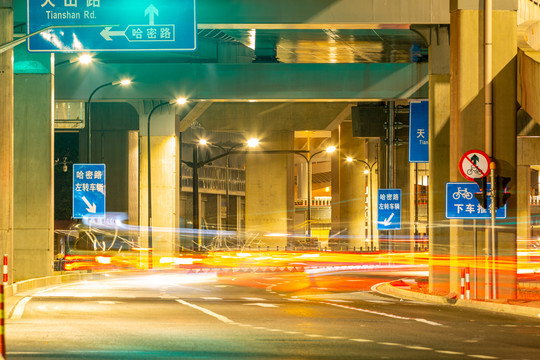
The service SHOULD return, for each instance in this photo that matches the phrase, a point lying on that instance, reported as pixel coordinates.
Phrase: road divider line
(207, 312)
(19, 308)
(382, 314)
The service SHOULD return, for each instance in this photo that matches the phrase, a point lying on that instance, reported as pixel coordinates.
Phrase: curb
(31, 284)
(389, 289)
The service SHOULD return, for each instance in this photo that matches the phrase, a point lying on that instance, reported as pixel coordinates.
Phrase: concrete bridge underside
(322, 93)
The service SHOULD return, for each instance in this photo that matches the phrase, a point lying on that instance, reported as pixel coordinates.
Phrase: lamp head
(203, 142)
(330, 149)
(181, 101)
(349, 159)
(85, 59)
(122, 82)
(253, 142)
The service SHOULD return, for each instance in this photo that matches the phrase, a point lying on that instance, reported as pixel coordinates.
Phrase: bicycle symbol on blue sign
(461, 203)
(462, 193)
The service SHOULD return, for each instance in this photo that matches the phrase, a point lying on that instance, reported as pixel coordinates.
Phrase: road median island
(522, 309)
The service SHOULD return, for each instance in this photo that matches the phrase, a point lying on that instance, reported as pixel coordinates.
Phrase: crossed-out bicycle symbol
(463, 193)
(474, 170)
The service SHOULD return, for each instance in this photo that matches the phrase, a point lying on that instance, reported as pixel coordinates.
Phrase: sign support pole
(492, 232)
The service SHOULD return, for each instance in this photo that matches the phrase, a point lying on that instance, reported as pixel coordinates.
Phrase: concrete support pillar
(33, 229)
(6, 133)
(438, 41)
(165, 184)
(467, 133)
(349, 187)
(270, 190)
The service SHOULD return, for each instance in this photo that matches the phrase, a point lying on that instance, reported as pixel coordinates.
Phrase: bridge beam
(244, 82)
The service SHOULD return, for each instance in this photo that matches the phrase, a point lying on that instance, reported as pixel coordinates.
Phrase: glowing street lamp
(84, 59)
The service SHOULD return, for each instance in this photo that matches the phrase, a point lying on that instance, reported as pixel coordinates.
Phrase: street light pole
(308, 159)
(196, 164)
(149, 175)
(89, 114)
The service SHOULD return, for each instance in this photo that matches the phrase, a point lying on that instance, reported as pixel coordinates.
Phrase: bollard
(5, 277)
(462, 293)
(468, 284)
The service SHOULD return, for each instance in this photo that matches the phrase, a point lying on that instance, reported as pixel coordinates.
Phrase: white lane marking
(262, 305)
(448, 352)
(377, 301)
(362, 340)
(338, 300)
(211, 298)
(253, 299)
(207, 312)
(19, 308)
(229, 321)
(106, 302)
(418, 348)
(383, 314)
(297, 300)
(221, 286)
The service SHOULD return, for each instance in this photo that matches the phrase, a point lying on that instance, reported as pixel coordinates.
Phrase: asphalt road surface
(173, 315)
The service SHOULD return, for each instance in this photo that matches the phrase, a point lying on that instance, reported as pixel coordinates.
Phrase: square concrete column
(165, 185)
(270, 191)
(467, 132)
(33, 229)
(438, 40)
(6, 133)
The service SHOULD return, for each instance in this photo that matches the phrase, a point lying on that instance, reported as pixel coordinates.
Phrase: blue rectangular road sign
(120, 25)
(461, 203)
(88, 190)
(389, 209)
(419, 131)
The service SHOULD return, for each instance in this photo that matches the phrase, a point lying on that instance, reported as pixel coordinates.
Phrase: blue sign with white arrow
(419, 131)
(119, 25)
(389, 209)
(461, 203)
(88, 190)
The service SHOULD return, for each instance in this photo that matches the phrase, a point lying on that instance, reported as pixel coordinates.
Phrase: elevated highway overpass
(283, 66)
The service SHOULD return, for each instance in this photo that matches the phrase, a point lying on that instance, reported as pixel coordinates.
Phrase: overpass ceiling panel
(337, 46)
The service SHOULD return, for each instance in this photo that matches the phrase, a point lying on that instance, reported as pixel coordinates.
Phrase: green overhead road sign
(119, 25)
